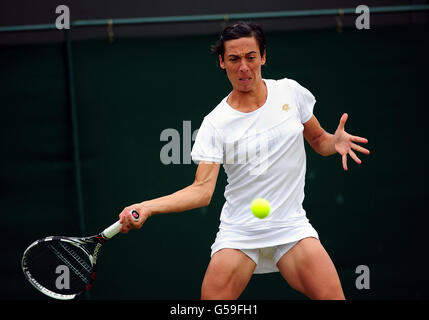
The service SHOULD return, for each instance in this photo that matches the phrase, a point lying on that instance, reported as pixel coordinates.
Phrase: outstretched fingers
(358, 139)
(354, 156)
(359, 148)
(346, 143)
(343, 120)
(344, 156)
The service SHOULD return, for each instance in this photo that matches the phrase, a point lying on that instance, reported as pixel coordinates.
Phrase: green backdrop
(129, 91)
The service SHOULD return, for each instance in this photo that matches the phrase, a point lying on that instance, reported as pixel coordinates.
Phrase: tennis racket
(65, 267)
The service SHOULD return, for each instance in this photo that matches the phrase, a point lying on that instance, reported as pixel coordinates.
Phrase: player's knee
(227, 275)
(216, 288)
(219, 283)
(329, 292)
(215, 285)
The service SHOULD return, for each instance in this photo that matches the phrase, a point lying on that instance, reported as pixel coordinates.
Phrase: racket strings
(41, 264)
(83, 277)
(76, 256)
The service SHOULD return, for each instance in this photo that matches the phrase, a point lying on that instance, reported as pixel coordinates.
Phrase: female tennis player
(257, 132)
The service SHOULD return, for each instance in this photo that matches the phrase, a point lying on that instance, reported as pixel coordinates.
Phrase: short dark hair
(239, 30)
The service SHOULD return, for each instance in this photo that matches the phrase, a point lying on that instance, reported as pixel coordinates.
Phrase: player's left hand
(345, 143)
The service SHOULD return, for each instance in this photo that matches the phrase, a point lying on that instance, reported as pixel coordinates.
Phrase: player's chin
(243, 88)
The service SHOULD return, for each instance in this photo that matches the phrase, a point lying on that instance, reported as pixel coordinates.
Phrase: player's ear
(264, 57)
(221, 62)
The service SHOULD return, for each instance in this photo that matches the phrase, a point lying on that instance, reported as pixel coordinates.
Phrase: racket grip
(113, 230)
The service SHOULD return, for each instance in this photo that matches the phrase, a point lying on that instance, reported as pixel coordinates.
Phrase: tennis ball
(260, 208)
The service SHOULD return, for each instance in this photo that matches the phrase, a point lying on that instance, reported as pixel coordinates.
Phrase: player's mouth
(245, 80)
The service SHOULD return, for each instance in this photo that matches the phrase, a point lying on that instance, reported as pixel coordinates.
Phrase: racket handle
(113, 230)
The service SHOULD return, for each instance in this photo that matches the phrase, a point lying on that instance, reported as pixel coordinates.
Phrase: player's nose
(243, 66)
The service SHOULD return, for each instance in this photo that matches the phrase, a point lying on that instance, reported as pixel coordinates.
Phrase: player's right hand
(128, 223)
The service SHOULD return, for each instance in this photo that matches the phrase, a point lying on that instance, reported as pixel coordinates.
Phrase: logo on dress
(285, 107)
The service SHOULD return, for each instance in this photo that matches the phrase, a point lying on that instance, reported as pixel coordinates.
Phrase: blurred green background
(130, 90)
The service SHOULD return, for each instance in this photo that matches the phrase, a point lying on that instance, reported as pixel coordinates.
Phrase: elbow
(204, 193)
(315, 145)
(323, 153)
(206, 199)
(321, 144)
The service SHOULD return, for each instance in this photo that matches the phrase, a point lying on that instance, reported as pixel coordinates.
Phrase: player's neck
(249, 101)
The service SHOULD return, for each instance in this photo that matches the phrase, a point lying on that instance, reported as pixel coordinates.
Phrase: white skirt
(234, 238)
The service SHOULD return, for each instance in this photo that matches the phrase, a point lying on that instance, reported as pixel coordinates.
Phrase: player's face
(242, 62)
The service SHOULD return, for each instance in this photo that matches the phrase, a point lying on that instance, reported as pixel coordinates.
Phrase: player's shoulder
(290, 85)
(280, 87)
(282, 82)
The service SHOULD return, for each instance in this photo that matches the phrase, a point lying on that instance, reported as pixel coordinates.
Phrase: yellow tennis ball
(260, 208)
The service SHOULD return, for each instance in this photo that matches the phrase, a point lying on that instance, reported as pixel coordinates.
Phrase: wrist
(145, 209)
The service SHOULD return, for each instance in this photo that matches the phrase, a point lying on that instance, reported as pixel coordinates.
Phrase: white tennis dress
(263, 155)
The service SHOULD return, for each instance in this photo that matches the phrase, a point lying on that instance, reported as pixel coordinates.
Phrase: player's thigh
(227, 275)
(308, 268)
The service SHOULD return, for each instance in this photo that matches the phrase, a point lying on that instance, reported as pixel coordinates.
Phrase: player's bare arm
(196, 195)
(340, 142)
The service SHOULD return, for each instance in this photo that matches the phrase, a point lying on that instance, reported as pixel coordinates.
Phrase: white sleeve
(304, 99)
(208, 144)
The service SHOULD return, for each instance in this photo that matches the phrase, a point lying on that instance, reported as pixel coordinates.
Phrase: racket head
(61, 267)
